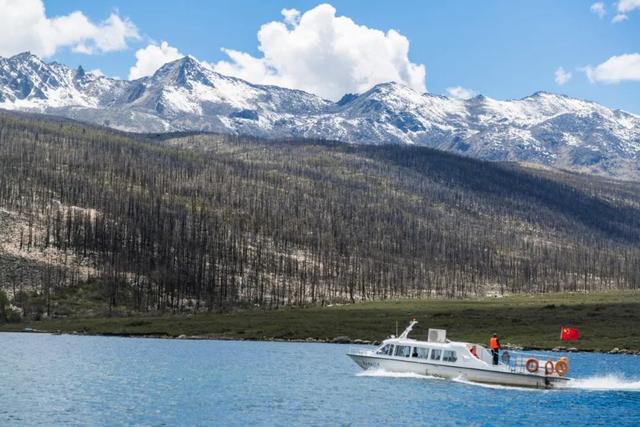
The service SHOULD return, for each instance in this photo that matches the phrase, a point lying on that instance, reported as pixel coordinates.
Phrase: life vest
(493, 343)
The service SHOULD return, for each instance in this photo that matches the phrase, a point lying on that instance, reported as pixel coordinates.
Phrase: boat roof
(411, 341)
(436, 338)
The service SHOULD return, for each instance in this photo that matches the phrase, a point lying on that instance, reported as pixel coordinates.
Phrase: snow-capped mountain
(544, 128)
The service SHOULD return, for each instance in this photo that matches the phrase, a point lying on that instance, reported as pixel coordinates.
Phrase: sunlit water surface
(72, 380)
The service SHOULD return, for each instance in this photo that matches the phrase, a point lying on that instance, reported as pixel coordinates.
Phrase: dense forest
(212, 222)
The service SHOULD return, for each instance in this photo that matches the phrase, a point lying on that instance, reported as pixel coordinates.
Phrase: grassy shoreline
(607, 320)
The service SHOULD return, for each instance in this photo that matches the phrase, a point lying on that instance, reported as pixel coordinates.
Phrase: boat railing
(516, 361)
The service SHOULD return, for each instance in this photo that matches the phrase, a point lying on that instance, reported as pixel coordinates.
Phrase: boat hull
(484, 376)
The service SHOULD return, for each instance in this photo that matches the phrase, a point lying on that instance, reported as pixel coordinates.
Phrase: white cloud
(152, 57)
(625, 6)
(291, 16)
(622, 7)
(97, 72)
(599, 9)
(619, 18)
(329, 55)
(460, 92)
(562, 76)
(24, 25)
(616, 69)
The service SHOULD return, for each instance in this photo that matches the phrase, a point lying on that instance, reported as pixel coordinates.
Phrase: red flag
(569, 334)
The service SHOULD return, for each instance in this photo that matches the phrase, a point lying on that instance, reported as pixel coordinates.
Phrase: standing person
(494, 344)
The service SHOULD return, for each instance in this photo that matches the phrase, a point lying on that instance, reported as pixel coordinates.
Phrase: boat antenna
(407, 331)
(396, 328)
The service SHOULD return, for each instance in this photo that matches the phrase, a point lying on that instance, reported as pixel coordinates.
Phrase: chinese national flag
(569, 334)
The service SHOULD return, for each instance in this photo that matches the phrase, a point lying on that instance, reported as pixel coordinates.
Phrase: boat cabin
(437, 349)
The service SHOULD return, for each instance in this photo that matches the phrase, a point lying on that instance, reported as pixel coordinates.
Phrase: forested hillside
(208, 222)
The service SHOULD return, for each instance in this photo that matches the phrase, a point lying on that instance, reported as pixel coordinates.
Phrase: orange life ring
(548, 367)
(532, 365)
(562, 367)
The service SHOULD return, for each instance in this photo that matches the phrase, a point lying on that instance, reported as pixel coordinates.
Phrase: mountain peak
(187, 61)
(190, 59)
(395, 90)
(541, 93)
(545, 94)
(26, 57)
(391, 85)
(478, 98)
(183, 72)
(347, 98)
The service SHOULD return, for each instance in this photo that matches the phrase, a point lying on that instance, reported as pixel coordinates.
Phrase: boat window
(387, 349)
(449, 356)
(421, 353)
(435, 354)
(403, 350)
(474, 351)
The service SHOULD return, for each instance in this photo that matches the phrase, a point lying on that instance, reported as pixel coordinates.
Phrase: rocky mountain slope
(187, 95)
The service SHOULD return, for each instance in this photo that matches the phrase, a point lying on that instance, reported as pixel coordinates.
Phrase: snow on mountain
(186, 94)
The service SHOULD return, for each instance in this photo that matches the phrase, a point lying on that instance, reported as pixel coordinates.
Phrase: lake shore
(607, 321)
(336, 340)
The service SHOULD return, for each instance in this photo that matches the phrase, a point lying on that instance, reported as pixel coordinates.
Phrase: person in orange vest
(494, 344)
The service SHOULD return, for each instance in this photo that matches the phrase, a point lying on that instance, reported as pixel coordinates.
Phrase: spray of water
(605, 383)
(596, 383)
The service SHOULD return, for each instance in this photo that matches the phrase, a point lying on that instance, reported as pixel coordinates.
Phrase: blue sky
(502, 49)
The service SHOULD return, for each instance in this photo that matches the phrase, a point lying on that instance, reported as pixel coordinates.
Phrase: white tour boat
(471, 362)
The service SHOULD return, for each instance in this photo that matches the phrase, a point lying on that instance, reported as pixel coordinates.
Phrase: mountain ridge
(187, 95)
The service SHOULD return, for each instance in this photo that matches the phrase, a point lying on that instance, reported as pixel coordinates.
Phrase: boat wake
(604, 383)
(596, 383)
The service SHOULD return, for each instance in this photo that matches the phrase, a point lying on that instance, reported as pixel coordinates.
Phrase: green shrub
(4, 302)
(12, 314)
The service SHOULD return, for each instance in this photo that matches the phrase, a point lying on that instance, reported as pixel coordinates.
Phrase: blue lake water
(73, 380)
